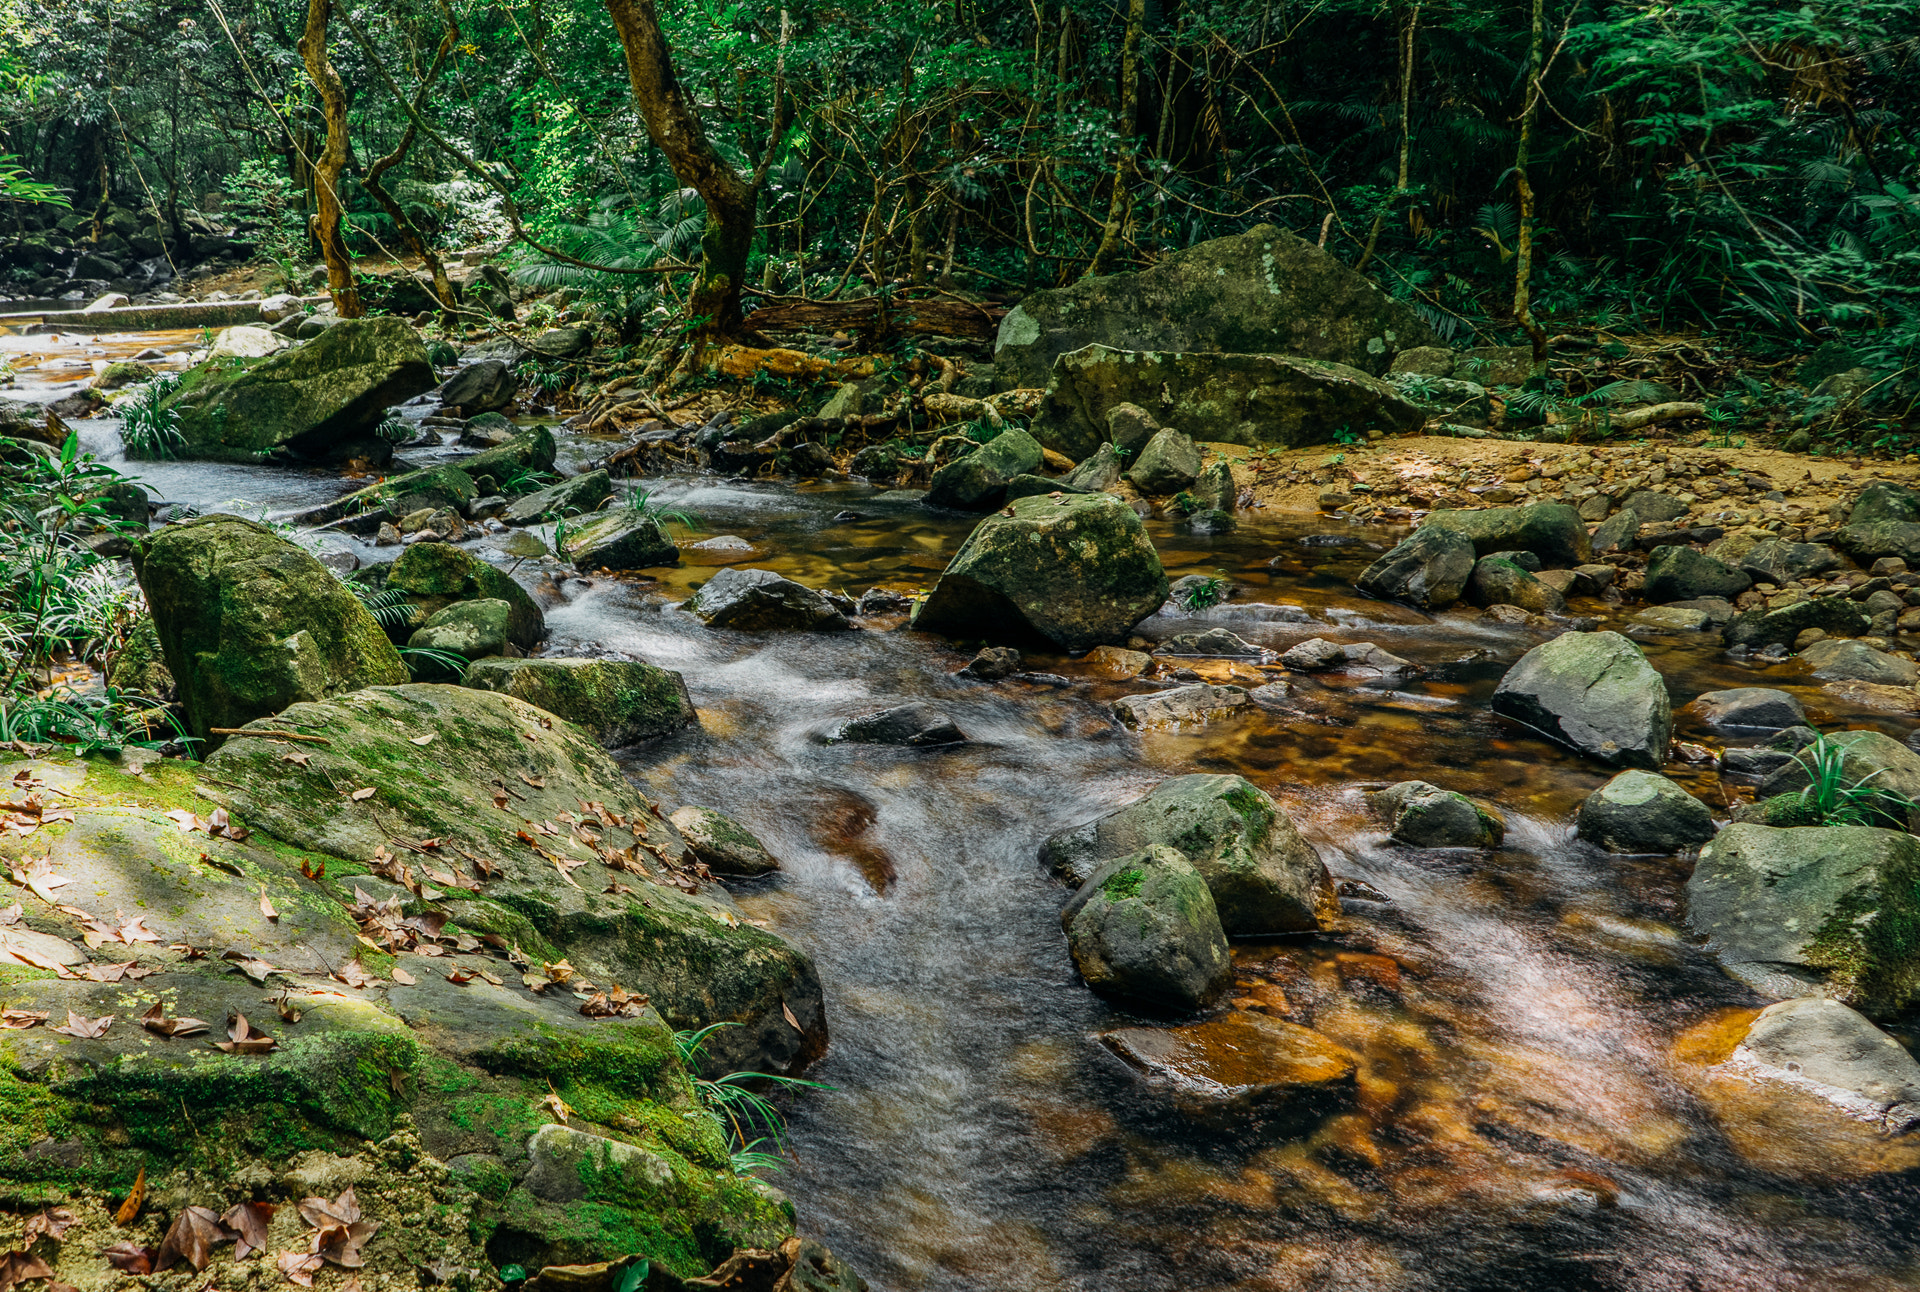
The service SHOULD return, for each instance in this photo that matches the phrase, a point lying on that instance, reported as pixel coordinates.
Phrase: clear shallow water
(1536, 1106)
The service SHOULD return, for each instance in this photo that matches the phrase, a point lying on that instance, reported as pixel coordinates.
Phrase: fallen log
(872, 316)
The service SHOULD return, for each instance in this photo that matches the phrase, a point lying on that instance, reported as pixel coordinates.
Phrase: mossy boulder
(531, 451)
(250, 623)
(1263, 876)
(1835, 616)
(1552, 531)
(1677, 573)
(496, 779)
(1821, 910)
(750, 600)
(1258, 399)
(1425, 816)
(471, 629)
(433, 576)
(577, 496)
(622, 702)
(978, 481)
(1262, 291)
(1144, 929)
(1641, 812)
(722, 844)
(620, 539)
(1078, 571)
(308, 401)
(1594, 692)
(1429, 568)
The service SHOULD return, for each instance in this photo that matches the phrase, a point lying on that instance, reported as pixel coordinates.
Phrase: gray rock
(978, 481)
(1654, 508)
(1815, 909)
(1883, 500)
(1642, 812)
(760, 600)
(1752, 708)
(569, 498)
(917, 725)
(1499, 582)
(620, 702)
(1821, 1046)
(1778, 562)
(1426, 816)
(1168, 464)
(1718, 610)
(1836, 616)
(1184, 706)
(1144, 929)
(1130, 427)
(1364, 659)
(1097, 473)
(473, 629)
(1677, 573)
(1214, 643)
(1550, 530)
(1852, 661)
(722, 844)
(1214, 488)
(1617, 533)
(1869, 540)
(484, 387)
(1078, 571)
(620, 539)
(1672, 619)
(1594, 692)
(1263, 876)
(1429, 569)
(1035, 487)
(1423, 361)
(563, 342)
(992, 664)
(1261, 291)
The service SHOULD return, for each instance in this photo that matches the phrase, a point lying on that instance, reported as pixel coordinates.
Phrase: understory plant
(641, 502)
(1832, 798)
(148, 428)
(747, 1118)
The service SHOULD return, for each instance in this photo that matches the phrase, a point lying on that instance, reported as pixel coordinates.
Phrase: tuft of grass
(148, 429)
(1834, 799)
(1204, 595)
(746, 1117)
(641, 501)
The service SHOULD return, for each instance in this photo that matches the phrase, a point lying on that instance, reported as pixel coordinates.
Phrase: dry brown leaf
(295, 757)
(534, 781)
(422, 740)
(156, 1021)
(131, 1206)
(362, 794)
(20, 1019)
(258, 970)
(10, 915)
(461, 977)
(249, 1220)
(186, 820)
(402, 977)
(558, 1106)
(266, 906)
(135, 929)
(339, 1228)
(53, 1222)
(17, 1267)
(242, 1039)
(559, 971)
(87, 1029)
(490, 978)
(289, 1012)
(36, 874)
(354, 974)
(195, 1232)
(130, 1258)
(314, 870)
(299, 1267)
(792, 1022)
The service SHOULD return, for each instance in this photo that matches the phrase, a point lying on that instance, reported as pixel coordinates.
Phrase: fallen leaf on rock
(36, 874)
(422, 740)
(188, 952)
(155, 1020)
(195, 1232)
(131, 1206)
(352, 973)
(242, 1039)
(362, 794)
(221, 826)
(295, 757)
(186, 820)
(289, 1012)
(402, 977)
(87, 1029)
(258, 970)
(50, 1221)
(558, 1106)
(339, 1228)
(22, 1018)
(535, 982)
(16, 1267)
(266, 906)
(135, 929)
(10, 914)
(313, 870)
(559, 971)
(130, 1258)
(792, 1022)
(460, 977)
(534, 781)
(249, 1221)
(299, 1267)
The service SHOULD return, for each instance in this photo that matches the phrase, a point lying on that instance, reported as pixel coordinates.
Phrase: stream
(1536, 1029)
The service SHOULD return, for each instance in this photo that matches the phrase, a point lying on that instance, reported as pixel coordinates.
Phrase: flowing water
(1537, 1104)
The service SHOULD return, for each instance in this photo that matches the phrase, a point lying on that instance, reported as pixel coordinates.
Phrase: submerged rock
(1263, 876)
(1751, 708)
(622, 702)
(1594, 692)
(916, 725)
(1143, 929)
(1641, 812)
(310, 401)
(250, 623)
(721, 843)
(1079, 572)
(1428, 569)
(992, 664)
(1425, 816)
(1826, 1049)
(1814, 909)
(1241, 1063)
(752, 600)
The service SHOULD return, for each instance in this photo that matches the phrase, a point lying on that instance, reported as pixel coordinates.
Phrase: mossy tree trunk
(1523, 183)
(1120, 209)
(329, 211)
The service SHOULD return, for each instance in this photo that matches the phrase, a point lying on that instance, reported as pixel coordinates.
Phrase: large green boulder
(1169, 463)
(530, 452)
(978, 481)
(1497, 581)
(495, 779)
(1253, 399)
(619, 539)
(250, 623)
(575, 496)
(433, 576)
(1815, 910)
(472, 629)
(1143, 929)
(1258, 292)
(1595, 693)
(1676, 573)
(1552, 531)
(307, 402)
(622, 702)
(1643, 812)
(1078, 571)
(1422, 815)
(1263, 876)
(1883, 500)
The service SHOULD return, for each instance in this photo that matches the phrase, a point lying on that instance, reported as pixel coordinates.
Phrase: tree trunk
(409, 231)
(1406, 134)
(674, 126)
(1121, 207)
(329, 210)
(1523, 250)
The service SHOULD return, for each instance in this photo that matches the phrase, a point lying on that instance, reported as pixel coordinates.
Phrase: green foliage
(147, 429)
(744, 1116)
(388, 606)
(394, 429)
(1833, 798)
(1205, 594)
(265, 202)
(17, 186)
(641, 502)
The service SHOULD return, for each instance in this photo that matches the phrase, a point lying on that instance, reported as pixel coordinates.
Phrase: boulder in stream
(251, 623)
(1552, 531)
(1826, 1049)
(1169, 463)
(1644, 812)
(622, 702)
(432, 576)
(1263, 876)
(1748, 708)
(1143, 928)
(1242, 1064)
(1078, 571)
(1595, 693)
(311, 401)
(978, 481)
(1498, 581)
(620, 539)
(1677, 573)
(1193, 705)
(472, 629)
(750, 600)
(1429, 569)
(486, 386)
(576, 496)
(722, 844)
(1828, 910)
(1425, 816)
(915, 725)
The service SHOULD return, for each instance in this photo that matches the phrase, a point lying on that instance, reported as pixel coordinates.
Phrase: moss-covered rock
(250, 623)
(620, 539)
(308, 401)
(141, 667)
(472, 629)
(577, 496)
(496, 779)
(1262, 291)
(724, 845)
(978, 481)
(622, 702)
(433, 576)
(1078, 571)
(1143, 929)
(528, 453)
(1552, 531)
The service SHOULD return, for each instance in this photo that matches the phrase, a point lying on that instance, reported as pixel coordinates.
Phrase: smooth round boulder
(1676, 573)
(913, 725)
(1143, 929)
(1641, 812)
(1596, 694)
(473, 629)
(1169, 463)
(1748, 708)
(1426, 816)
(722, 844)
(1078, 571)
(1552, 531)
(1852, 661)
(484, 387)
(1497, 581)
(1831, 1051)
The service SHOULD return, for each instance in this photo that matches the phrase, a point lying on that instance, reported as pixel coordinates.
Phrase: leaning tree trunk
(1120, 209)
(371, 181)
(329, 213)
(1523, 184)
(732, 201)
